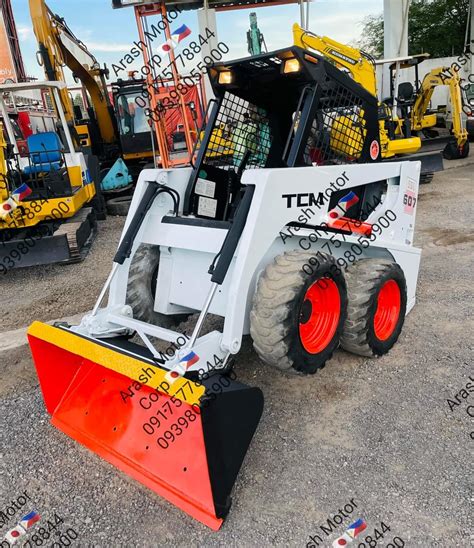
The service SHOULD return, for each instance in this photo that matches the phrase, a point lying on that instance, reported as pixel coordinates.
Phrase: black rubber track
(452, 151)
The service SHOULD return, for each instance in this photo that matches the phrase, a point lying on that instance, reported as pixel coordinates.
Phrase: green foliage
(436, 27)
(372, 35)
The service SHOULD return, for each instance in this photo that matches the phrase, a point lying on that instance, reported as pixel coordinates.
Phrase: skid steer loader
(255, 238)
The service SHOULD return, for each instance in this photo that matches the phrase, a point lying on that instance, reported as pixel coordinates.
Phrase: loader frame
(187, 251)
(244, 240)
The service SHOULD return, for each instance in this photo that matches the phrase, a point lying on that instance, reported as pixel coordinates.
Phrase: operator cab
(288, 108)
(133, 122)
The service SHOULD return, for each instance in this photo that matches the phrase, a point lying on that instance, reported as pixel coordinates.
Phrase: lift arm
(59, 47)
(442, 76)
(359, 64)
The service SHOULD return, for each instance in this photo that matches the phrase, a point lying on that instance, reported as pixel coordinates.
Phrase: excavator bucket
(184, 440)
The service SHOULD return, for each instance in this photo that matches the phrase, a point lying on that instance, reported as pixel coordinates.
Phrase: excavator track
(80, 232)
(70, 243)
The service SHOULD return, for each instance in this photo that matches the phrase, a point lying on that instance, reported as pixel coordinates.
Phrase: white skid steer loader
(289, 227)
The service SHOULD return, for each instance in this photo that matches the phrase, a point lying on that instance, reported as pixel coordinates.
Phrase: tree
(372, 35)
(436, 27)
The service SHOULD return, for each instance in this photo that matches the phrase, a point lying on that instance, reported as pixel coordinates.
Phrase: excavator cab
(137, 141)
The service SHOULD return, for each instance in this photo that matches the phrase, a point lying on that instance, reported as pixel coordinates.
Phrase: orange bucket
(186, 441)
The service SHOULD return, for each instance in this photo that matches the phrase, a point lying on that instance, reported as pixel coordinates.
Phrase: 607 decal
(409, 202)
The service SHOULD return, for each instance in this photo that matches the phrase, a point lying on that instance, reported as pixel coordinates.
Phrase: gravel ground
(56, 291)
(379, 432)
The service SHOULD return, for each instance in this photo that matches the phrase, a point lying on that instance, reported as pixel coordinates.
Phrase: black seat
(405, 100)
(406, 94)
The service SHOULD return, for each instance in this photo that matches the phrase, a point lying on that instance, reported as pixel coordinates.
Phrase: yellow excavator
(421, 119)
(48, 196)
(58, 47)
(99, 134)
(361, 66)
(398, 135)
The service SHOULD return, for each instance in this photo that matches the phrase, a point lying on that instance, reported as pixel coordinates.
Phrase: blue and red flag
(343, 205)
(180, 34)
(189, 360)
(21, 192)
(180, 368)
(348, 200)
(29, 520)
(356, 528)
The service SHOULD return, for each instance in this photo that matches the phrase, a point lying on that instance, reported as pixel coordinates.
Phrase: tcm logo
(302, 200)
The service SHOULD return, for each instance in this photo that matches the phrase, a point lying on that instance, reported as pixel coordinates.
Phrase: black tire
(426, 178)
(119, 206)
(142, 285)
(365, 279)
(280, 304)
(453, 152)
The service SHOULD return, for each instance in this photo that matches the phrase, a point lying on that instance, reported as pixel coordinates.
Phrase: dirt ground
(56, 291)
(377, 432)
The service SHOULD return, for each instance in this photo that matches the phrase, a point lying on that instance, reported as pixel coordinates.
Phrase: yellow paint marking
(183, 389)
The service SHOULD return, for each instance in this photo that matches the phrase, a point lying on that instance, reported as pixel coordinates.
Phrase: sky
(109, 33)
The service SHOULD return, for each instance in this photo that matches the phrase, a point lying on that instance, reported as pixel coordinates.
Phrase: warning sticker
(409, 201)
(207, 207)
(411, 184)
(205, 188)
(374, 150)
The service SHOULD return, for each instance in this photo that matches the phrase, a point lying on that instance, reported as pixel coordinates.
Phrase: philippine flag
(21, 192)
(30, 519)
(14, 534)
(348, 200)
(7, 207)
(177, 36)
(343, 205)
(181, 368)
(189, 360)
(356, 528)
(180, 34)
(343, 540)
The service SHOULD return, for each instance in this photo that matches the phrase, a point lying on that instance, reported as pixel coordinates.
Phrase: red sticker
(374, 150)
(409, 202)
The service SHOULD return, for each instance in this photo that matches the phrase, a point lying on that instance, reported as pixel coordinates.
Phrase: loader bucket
(185, 441)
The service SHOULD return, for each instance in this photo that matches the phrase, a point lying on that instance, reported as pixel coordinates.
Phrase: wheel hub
(388, 310)
(319, 315)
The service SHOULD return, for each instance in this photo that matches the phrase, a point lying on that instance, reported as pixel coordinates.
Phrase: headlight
(291, 65)
(226, 77)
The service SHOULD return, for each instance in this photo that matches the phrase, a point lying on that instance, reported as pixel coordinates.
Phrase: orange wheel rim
(388, 310)
(319, 315)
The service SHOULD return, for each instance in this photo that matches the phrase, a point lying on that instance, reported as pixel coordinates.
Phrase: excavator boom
(359, 64)
(58, 47)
